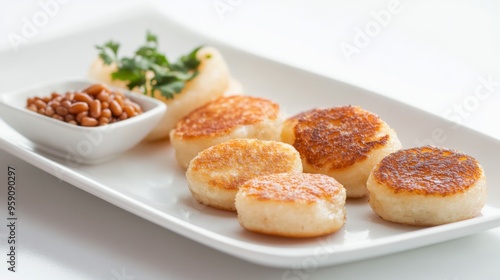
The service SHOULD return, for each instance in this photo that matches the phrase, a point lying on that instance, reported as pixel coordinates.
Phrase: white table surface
(430, 54)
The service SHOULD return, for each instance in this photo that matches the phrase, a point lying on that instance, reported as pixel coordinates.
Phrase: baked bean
(69, 118)
(95, 105)
(95, 89)
(123, 116)
(54, 104)
(136, 106)
(103, 96)
(106, 113)
(88, 121)
(40, 103)
(58, 117)
(80, 96)
(61, 110)
(129, 110)
(78, 107)
(95, 108)
(119, 99)
(49, 111)
(66, 103)
(103, 120)
(116, 109)
(32, 107)
(69, 96)
(80, 116)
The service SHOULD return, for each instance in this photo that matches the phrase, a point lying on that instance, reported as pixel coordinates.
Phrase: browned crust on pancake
(337, 138)
(301, 187)
(224, 114)
(248, 158)
(428, 170)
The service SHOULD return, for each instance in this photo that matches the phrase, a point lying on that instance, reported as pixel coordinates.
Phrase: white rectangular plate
(147, 181)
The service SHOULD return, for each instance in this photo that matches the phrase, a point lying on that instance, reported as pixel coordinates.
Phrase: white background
(430, 54)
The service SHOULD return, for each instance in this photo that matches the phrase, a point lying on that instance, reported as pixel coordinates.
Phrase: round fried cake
(216, 173)
(224, 119)
(342, 142)
(427, 186)
(292, 205)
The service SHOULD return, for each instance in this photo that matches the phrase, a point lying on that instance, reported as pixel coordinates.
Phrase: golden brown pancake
(291, 205)
(342, 142)
(224, 114)
(428, 171)
(216, 173)
(223, 119)
(427, 186)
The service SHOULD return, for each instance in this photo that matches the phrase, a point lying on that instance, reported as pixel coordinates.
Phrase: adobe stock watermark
(310, 264)
(460, 111)
(75, 155)
(222, 7)
(363, 36)
(86, 146)
(31, 25)
(121, 275)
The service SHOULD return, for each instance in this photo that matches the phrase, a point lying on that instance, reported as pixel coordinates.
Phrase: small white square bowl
(78, 144)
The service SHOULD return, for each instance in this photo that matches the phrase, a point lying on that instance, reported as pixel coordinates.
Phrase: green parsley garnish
(169, 78)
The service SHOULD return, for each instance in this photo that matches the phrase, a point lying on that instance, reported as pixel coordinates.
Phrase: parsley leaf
(168, 78)
(108, 52)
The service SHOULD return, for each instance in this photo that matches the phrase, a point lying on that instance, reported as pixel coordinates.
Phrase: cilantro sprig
(169, 78)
